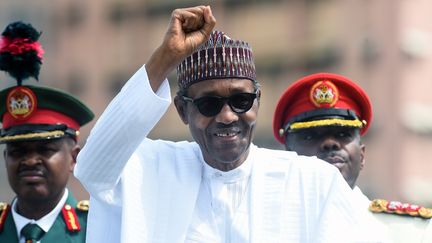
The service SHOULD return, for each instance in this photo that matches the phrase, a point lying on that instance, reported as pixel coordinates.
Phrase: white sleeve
(125, 123)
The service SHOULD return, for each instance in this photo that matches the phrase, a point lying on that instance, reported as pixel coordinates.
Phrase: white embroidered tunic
(222, 198)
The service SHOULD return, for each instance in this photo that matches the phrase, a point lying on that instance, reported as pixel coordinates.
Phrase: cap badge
(324, 94)
(21, 102)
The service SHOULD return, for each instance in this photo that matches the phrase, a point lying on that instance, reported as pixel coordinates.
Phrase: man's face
(340, 146)
(39, 170)
(225, 137)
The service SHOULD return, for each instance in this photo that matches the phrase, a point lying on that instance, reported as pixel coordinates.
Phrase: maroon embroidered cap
(220, 57)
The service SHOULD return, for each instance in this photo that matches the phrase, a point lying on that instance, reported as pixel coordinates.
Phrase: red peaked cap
(320, 98)
(38, 113)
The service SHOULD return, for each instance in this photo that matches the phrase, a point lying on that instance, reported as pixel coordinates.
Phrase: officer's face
(39, 170)
(225, 137)
(340, 146)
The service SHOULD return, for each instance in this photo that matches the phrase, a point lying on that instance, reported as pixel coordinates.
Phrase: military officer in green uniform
(40, 128)
(325, 115)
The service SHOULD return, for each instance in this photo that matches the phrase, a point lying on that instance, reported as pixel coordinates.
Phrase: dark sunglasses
(211, 105)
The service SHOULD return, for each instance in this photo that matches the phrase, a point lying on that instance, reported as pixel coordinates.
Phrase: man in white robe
(221, 187)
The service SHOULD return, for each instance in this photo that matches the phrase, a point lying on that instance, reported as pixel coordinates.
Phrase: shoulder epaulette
(4, 211)
(83, 205)
(70, 218)
(395, 207)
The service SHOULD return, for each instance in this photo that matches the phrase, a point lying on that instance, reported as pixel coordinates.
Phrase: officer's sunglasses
(211, 105)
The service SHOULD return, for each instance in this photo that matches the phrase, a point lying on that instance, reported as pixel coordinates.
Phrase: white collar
(244, 170)
(45, 222)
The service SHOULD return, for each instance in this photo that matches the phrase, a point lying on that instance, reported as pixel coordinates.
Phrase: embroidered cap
(322, 99)
(220, 57)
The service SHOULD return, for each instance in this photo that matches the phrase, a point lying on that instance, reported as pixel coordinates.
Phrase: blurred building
(93, 47)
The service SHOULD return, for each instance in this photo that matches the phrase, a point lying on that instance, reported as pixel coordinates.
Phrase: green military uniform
(32, 115)
(406, 223)
(67, 228)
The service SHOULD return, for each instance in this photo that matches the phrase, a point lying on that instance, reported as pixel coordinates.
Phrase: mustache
(31, 170)
(226, 126)
(232, 127)
(333, 157)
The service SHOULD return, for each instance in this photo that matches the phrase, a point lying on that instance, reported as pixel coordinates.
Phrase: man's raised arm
(134, 112)
(188, 29)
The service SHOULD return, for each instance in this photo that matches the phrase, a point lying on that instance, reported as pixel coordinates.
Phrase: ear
(259, 96)
(75, 149)
(362, 156)
(287, 144)
(181, 107)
